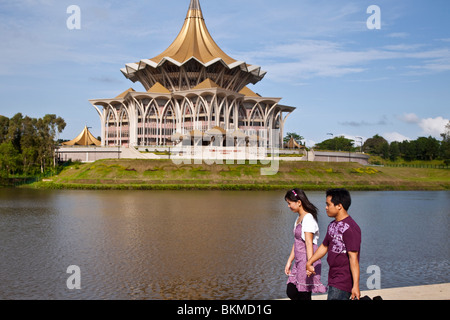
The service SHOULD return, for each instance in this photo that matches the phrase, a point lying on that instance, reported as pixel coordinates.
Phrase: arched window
(124, 128)
(242, 116)
(111, 128)
(256, 120)
(201, 117)
(187, 122)
(222, 123)
(169, 124)
(152, 126)
(140, 125)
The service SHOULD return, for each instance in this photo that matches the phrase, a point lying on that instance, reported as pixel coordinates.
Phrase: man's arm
(319, 254)
(354, 268)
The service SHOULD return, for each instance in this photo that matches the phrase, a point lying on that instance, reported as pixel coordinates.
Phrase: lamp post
(332, 136)
(361, 142)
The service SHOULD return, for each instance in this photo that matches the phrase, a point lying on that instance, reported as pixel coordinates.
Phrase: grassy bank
(165, 175)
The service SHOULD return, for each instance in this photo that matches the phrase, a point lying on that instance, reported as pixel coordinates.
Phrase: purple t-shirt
(342, 236)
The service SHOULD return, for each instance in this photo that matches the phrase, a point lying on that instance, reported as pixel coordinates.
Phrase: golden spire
(194, 41)
(195, 5)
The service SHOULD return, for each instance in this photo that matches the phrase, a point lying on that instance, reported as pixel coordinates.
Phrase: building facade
(192, 89)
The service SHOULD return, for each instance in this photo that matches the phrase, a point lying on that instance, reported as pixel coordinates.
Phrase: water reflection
(199, 244)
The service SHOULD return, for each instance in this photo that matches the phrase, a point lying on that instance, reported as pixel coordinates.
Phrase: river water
(200, 244)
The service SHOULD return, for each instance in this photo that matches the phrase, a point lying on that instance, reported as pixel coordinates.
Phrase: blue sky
(321, 58)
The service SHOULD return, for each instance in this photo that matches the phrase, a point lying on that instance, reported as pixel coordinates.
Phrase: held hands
(310, 269)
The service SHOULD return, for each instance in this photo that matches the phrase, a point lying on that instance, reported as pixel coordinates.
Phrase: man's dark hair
(340, 196)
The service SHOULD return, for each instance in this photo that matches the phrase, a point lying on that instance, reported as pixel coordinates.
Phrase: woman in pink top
(306, 235)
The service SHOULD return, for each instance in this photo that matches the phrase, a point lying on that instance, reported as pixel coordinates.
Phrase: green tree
(394, 151)
(336, 144)
(15, 130)
(445, 144)
(47, 129)
(298, 138)
(376, 146)
(384, 150)
(4, 126)
(427, 148)
(10, 159)
(28, 144)
(409, 150)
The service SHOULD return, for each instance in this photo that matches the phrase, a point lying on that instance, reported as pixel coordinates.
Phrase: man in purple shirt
(343, 244)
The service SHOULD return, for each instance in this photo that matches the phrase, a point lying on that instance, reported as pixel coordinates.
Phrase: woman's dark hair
(295, 195)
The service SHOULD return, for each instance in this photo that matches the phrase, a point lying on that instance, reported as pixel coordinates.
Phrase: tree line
(423, 148)
(27, 145)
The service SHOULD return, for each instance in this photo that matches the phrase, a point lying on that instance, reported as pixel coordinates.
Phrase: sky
(323, 57)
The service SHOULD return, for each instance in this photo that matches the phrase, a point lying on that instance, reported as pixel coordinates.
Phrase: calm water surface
(200, 244)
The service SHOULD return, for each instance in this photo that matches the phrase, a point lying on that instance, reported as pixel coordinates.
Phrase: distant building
(191, 87)
(292, 144)
(85, 138)
(324, 156)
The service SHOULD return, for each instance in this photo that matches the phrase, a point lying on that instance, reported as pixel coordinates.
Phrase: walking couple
(342, 244)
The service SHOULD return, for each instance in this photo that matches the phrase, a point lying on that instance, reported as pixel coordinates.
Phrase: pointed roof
(239, 134)
(194, 41)
(158, 88)
(207, 84)
(195, 5)
(216, 129)
(85, 138)
(291, 144)
(123, 94)
(246, 91)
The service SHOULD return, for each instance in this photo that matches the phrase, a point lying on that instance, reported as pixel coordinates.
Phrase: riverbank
(144, 174)
(427, 292)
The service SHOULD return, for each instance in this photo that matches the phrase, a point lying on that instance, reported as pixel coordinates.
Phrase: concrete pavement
(427, 292)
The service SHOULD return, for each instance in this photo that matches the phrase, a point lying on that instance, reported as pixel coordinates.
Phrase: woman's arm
(287, 268)
(309, 245)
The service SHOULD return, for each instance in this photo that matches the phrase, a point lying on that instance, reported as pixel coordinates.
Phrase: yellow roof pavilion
(292, 144)
(85, 138)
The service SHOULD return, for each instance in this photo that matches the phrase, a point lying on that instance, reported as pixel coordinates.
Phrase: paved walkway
(429, 292)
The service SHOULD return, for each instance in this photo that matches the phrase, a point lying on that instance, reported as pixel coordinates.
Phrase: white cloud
(34, 34)
(409, 118)
(430, 126)
(395, 136)
(363, 123)
(310, 143)
(312, 58)
(398, 35)
(307, 58)
(433, 126)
